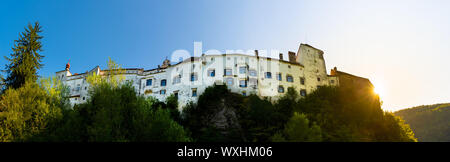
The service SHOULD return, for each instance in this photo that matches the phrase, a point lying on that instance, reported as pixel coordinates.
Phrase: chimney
(281, 56)
(68, 66)
(256, 53)
(333, 71)
(291, 56)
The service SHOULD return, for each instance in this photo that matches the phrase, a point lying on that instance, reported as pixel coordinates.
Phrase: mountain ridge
(430, 123)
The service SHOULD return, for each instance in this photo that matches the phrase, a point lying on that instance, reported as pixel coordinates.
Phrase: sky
(402, 46)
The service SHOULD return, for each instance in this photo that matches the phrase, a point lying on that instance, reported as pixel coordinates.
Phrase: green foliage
(343, 114)
(260, 119)
(215, 116)
(299, 129)
(172, 106)
(430, 123)
(58, 92)
(278, 137)
(114, 112)
(113, 75)
(117, 113)
(393, 128)
(286, 104)
(25, 59)
(327, 114)
(27, 111)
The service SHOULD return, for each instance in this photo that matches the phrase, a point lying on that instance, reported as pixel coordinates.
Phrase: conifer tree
(25, 60)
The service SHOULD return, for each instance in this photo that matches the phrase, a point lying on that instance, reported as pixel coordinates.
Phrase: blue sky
(402, 46)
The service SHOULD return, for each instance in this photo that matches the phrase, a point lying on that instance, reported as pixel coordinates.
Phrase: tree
(26, 112)
(113, 76)
(25, 60)
(57, 91)
(299, 129)
(394, 129)
(215, 117)
(345, 114)
(260, 119)
(286, 104)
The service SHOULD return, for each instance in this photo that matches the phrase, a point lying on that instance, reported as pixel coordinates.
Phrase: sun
(378, 89)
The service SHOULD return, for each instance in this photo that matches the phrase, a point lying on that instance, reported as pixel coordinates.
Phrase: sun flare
(378, 89)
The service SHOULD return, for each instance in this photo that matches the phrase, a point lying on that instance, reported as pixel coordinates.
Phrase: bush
(299, 129)
(26, 112)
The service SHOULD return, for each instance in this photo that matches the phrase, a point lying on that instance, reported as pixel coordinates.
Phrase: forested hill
(430, 123)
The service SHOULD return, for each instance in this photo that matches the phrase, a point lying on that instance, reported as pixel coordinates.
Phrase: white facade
(244, 74)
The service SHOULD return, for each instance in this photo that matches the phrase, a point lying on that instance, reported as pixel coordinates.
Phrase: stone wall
(307, 65)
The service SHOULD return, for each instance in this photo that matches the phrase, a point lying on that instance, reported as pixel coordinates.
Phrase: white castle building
(242, 73)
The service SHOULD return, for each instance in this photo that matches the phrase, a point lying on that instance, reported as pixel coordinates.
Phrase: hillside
(430, 123)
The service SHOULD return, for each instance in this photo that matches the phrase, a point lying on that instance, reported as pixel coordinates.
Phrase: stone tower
(315, 72)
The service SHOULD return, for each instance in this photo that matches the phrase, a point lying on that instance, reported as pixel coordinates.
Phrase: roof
(196, 59)
(312, 47)
(341, 72)
(344, 73)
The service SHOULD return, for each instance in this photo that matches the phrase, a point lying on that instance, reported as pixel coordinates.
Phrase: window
(175, 93)
(289, 66)
(84, 98)
(318, 87)
(252, 72)
(228, 72)
(85, 88)
(303, 92)
(193, 77)
(194, 92)
(212, 73)
(243, 83)
(280, 89)
(332, 81)
(78, 88)
(279, 76)
(289, 78)
(268, 75)
(318, 79)
(229, 81)
(163, 82)
(162, 92)
(149, 82)
(302, 81)
(242, 70)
